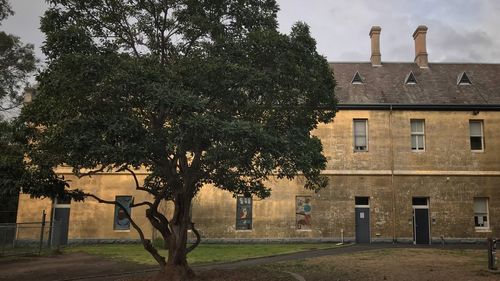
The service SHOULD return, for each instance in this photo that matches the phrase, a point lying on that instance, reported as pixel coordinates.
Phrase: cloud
(459, 30)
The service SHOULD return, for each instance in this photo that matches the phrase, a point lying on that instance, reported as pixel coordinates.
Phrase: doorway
(362, 219)
(61, 221)
(421, 223)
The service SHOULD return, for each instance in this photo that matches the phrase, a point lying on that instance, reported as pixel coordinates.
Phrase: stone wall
(447, 172)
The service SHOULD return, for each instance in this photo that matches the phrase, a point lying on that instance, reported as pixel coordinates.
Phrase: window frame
(481, 123)
(116, 209)
(354, 134)
(416, 134)
(238, 219)
(356, 205)
(307, 215)
(487, 227)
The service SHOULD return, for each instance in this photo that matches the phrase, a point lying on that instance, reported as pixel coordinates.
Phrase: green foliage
(17, 63)
(195, 91)
(18, 174)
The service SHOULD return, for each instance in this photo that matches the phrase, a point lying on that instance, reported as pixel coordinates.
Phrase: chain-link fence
(29, 238)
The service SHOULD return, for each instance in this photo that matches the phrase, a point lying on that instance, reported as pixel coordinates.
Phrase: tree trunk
(177, 267)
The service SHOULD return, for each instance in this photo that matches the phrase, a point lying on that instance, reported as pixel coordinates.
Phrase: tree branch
(145, 242)
(198, 239)
(136, 181)
(141, 204)
(80, 175)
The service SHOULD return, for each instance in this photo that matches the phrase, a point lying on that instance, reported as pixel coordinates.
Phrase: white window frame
(130, 226)
(487, 227)
(416, 134)
(354, 133)
(362, 206)
(482, 135)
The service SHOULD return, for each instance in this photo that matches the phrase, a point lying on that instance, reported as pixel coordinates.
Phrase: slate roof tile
(435, 85)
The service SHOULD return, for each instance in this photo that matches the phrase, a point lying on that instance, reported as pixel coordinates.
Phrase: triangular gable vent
(463, 79)
(357, 79)
(410, 79)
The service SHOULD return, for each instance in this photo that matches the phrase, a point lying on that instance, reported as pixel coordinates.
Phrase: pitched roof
(436, 84)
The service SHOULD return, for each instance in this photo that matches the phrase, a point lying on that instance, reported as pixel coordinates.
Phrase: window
(121, 221)
(360, 135)
(357, 79)
(463, 79)
(303, 210)
(410, 79)
(243, 213)
(420, 201)
(417, 135)
(362, 201)
(476, 135)
(481, 213)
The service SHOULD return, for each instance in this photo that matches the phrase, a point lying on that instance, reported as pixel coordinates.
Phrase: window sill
(477, 151)
(483, 229)
(121, 230)
(244, 230)
(417, 151)
(303, 230)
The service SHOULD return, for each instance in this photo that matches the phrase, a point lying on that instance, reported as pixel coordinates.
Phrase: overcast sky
(459, 30)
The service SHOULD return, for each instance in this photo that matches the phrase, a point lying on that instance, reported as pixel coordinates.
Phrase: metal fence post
(42, 232)
(4, 239)
(58, 231)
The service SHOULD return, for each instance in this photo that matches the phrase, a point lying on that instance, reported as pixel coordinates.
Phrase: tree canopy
(195, 92)
(17, 63)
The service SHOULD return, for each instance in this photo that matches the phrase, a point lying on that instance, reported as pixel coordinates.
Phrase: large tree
(17, 64)
(195, 91)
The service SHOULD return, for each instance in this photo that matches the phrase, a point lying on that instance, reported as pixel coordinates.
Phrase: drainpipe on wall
(394, 239)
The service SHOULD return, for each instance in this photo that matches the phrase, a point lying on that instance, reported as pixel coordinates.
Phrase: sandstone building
(413, 156)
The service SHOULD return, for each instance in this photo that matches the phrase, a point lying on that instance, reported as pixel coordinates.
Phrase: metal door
(421, 226)
(61, 223)
(362, 225)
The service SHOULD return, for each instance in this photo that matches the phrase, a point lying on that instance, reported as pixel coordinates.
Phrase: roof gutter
(426, 107)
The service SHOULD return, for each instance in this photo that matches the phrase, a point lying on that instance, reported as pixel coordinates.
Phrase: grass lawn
(204, 253)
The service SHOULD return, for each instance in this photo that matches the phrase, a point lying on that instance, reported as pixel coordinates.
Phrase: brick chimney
(375, 38)
(420, 46)
(28, 95)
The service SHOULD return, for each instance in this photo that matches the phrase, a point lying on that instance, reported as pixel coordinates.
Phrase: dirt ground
(240, 274)
(343, 264)
(63, 267)
(395, 264)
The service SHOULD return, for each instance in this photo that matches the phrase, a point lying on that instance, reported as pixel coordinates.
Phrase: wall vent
(357, 79)
(463, 79)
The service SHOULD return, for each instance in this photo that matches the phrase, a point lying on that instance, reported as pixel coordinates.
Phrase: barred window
(481, 212)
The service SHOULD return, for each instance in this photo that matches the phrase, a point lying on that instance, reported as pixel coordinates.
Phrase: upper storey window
(357, 79)
(463, 79)
(476, 135)
(360, 134)
(417, 135)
